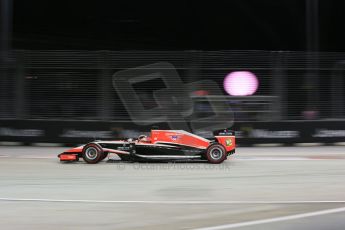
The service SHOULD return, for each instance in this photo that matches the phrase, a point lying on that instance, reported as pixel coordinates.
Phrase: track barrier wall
(247, 133)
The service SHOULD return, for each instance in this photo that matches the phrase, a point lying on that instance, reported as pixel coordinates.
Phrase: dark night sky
(173, 25)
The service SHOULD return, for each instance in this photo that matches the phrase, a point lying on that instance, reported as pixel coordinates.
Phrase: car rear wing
(226, 137)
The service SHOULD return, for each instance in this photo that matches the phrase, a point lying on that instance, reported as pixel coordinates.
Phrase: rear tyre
(216, 153)
(92, 153)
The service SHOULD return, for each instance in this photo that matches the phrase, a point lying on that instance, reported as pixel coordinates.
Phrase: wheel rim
(91, 153)
(216, 153)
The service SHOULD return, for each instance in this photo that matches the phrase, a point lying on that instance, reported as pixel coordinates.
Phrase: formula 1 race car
(161, 145)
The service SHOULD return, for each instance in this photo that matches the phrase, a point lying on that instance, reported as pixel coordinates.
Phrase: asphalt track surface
(258, 188)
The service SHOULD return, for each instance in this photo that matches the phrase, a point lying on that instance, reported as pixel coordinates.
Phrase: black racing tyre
(92, 153)
(215, 153)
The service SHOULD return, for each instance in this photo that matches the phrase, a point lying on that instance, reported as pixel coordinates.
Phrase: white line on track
(28, 157)
(170, 201)
(277, 219)
(34, 157)
(278, 159)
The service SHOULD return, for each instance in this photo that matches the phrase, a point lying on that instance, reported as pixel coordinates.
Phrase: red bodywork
(184, 138)
(68, 157)
(229, 142)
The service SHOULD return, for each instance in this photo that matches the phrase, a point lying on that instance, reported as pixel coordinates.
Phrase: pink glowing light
(241, 83)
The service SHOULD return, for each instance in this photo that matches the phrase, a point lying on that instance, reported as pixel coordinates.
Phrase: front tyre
(216, 153)
(92, 153)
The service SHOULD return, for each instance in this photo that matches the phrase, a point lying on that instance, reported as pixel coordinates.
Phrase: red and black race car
(172, 145)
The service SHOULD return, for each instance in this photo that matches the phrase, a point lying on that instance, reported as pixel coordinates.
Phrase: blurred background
(278, 66)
